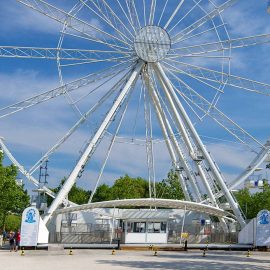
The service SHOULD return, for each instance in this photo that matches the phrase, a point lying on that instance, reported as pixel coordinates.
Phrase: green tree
(13, 198)
(77, 194)
(251, 204)
(13, 222)
(127, 187)
(170, 188)
(103, 193)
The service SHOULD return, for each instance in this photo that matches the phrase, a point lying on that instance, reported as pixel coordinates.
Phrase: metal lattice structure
(168, 50)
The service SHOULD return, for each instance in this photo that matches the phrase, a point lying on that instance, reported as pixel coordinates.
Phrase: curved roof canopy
(159, 203)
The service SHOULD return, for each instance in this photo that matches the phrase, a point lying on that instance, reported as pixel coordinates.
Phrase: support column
(234, 205)
(85, 156)
(185, 135)
(162, 119)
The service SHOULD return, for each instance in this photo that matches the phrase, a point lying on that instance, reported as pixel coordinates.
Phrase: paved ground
(102, 259)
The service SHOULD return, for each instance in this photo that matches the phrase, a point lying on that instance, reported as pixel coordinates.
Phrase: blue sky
(30, 133)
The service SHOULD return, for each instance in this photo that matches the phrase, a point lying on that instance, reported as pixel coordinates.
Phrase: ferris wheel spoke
(144, 13)
(225, 78)
(214, 28)
(152, 12)
(209, 16)
(223, 45)
(132, 14)
(171, 68)
(117, 48)
(182, 18)
(102, 84)
(218, 116)
(56, 53)
(174, 14)
(84, 117)
(162, 12)
(106, 19)
(80, 26)
(64, 89)
(126, 16)
(174, 56)
(123, 59)
(136, 14)
(118, 18)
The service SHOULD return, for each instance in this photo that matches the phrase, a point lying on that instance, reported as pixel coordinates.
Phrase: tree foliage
(130, 188)
(251, 204)
(125, 187)
(103, 193)
(13, 223)
(13, 198)
(77, 194)
(170, 188)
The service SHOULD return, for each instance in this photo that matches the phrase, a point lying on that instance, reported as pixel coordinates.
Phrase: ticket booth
(145, 231)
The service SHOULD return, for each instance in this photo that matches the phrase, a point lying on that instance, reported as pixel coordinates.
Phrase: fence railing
(103, 234)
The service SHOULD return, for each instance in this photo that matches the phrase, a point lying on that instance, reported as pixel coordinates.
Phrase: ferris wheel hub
(152, 43)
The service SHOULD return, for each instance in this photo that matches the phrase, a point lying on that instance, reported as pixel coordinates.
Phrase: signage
(263, 228)
(184, 235)
(29, 227)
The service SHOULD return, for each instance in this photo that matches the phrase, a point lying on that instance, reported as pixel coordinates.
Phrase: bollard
(204, 253)
(70, 251)
(22, 251)
(248, 254)
(113, 252)
(185, 247)
(118, 244)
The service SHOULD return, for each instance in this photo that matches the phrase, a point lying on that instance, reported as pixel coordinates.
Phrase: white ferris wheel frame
(160, 70)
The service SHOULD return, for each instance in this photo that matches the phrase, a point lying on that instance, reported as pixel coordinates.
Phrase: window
(163, 227)
(136, 227)
(139, 227)
(156, 227)
(129, 226)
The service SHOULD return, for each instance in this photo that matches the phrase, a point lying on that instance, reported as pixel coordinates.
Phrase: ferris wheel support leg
(71, 180)
(160, 115)
(186, 139)
(168, 137)
(212, 197)
(198, 163)
(234, 205)
(200, 170)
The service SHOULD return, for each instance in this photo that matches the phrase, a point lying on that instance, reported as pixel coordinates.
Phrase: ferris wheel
(149, 70)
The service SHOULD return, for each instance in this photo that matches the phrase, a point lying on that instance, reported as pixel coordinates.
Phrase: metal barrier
(103, 234)
(82, 234)
(210, 233)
